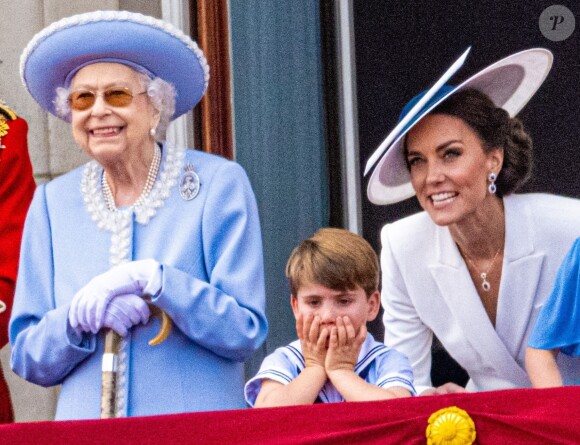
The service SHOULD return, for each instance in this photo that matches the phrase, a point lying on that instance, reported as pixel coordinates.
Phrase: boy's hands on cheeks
(304, 389)
(344, 346)
(313, 339)
(342, 356)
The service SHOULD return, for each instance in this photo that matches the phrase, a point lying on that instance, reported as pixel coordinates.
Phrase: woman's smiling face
(449, 168)
(104, 130)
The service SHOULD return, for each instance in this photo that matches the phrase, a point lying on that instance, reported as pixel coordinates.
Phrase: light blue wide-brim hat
(149, 45)
(510, 83)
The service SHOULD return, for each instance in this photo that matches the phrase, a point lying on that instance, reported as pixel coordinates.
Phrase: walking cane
(110, 362)
(109, 375)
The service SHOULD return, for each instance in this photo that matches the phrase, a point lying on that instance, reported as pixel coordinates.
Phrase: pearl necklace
(151, 176)
(485, 284)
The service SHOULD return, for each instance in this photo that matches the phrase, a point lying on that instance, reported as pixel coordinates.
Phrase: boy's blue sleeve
(558, 324)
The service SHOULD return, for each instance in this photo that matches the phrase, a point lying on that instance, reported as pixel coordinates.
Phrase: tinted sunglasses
(116, 97)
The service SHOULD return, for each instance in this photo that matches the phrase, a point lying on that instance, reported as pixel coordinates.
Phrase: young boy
(333, 279)
(558, 326)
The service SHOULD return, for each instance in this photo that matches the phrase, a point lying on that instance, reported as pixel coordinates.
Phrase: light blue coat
(213, 289)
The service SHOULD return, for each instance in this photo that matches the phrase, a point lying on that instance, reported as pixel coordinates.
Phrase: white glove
(88, 306)
(125, 311)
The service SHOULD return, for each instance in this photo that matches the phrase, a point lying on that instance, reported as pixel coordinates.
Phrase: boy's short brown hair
(334, 258)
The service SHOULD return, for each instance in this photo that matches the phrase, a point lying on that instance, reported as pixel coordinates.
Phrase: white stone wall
(52, 148)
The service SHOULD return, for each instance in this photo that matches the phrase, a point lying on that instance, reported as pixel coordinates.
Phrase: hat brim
(156, 47)
(510, 83)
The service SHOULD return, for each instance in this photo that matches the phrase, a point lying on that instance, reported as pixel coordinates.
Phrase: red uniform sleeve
(16, 189)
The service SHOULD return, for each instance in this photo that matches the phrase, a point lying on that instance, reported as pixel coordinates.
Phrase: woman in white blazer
(475, 267)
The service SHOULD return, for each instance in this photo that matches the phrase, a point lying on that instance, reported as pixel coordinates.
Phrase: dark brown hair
(495, 129)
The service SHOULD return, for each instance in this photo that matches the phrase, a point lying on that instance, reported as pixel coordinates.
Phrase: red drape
(522, 416)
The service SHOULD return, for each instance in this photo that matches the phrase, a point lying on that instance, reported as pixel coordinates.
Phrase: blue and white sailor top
(377, 364)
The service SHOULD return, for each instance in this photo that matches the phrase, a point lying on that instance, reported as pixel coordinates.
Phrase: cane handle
(166, 325)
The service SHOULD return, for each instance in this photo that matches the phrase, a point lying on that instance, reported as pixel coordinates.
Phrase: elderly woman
(474, 268)
(106, 239)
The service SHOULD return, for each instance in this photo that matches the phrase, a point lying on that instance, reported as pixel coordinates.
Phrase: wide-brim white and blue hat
(509, 83)
(149, 45)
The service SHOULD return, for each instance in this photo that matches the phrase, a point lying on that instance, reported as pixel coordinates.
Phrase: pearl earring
(153, 133)
(492, 187)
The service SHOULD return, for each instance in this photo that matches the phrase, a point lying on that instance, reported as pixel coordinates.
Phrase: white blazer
(427, 289)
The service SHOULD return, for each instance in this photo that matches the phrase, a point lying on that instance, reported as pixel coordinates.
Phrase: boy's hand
(313, 339)
(344, 345)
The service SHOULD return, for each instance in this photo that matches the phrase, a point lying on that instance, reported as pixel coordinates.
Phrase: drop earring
(492, 187)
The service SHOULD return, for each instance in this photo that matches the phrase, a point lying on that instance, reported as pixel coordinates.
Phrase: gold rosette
(6, 114)
(3, 127)
(450, 426)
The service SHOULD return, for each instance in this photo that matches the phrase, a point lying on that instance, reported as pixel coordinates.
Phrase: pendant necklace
(484, 284)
